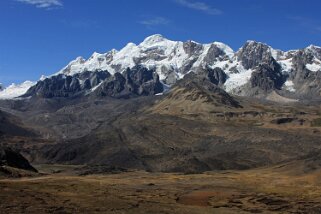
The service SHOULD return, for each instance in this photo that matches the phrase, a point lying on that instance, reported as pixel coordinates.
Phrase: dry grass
(316, 122)
(263, 190)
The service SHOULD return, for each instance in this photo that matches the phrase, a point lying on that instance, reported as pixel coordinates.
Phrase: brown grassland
(266, 190)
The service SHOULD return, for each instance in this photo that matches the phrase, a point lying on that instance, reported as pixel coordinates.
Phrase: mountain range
(156, 64)
(168, 106)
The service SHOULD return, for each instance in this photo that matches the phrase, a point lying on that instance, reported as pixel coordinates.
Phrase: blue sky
(41, 36)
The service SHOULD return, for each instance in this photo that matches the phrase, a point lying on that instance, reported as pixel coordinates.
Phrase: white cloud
(46, 4)
(201, 6)
(154, 21)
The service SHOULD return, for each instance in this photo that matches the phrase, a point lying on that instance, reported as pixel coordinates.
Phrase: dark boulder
(9, 157)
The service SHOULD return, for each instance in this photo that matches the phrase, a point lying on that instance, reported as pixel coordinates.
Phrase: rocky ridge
(255, 69)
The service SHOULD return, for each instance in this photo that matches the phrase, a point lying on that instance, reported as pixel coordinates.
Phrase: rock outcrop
(11, 158)
(136, 81)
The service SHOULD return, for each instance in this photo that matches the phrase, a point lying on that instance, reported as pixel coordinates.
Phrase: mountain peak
(253, 42)
(42, 78)
(113, 51)
(95, 54)
(153, 39)
(129, 46)
(313, 47)
(224, 47)
(79, 59)
(315, 51)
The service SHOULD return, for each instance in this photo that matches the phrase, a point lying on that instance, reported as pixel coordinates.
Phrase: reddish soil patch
(200, 198)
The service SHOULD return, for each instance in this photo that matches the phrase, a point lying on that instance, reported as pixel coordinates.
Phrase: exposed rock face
(67, 86)
(136, 81)
(91, 80)
(217, 76)
(300, 73)
(113, 87)
(267, 77)
(214, 53)
(253, 53)
(307, 82)
(300, 59)
(11, 158)
(191, 47)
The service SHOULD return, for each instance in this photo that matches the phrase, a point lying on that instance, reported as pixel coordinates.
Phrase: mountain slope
(196, 94)
(12, 126)
(12, 163)
(195, 127)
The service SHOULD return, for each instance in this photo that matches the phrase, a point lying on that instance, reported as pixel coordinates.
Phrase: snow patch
(42, 78)
(151, 40)
(16, 90)
(97, 86)
(226, 65)
(286, 65)
(289, 85)
(314, 66)
(237, 80)
(275, 53)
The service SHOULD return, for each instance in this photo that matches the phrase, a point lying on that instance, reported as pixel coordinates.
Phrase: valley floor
(265, 190)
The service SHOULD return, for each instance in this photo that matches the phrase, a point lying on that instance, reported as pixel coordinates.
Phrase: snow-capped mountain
(15, 90)
(170, 59)
(255, 69)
